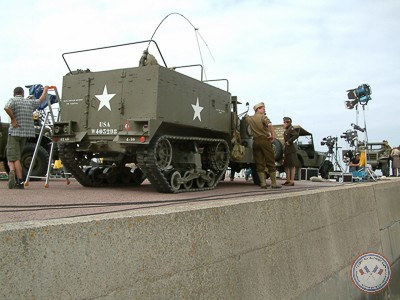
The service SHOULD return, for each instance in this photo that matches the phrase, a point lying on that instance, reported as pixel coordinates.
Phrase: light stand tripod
(365, 166)
(361, 95)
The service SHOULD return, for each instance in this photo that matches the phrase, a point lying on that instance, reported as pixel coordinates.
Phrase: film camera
(350, 136)
(330, 142)
(361, 94)
(347, 156)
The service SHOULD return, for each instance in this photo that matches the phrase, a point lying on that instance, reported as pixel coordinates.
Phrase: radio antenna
(197, 39)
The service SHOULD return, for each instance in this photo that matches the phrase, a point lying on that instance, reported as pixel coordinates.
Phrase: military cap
(287, 119)
(258, 105)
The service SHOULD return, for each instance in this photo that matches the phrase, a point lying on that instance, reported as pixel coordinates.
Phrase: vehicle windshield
(375, 147)
(304, 140)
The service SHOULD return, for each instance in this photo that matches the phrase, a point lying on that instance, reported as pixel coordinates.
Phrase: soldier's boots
(261, 177)
(274, 185)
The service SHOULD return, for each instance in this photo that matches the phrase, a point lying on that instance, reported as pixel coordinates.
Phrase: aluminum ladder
(38, 143)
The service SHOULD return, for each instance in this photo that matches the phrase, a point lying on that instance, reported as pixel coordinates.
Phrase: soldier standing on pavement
(290, 156)
(263, 153)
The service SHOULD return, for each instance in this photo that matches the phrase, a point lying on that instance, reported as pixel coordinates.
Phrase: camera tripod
(333, 158)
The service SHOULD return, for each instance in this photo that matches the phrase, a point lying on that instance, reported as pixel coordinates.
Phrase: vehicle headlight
(66, 129)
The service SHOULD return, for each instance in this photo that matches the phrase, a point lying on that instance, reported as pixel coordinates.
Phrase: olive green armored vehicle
(148, 121)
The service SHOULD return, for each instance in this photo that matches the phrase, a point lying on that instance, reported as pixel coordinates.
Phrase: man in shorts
(21, 128)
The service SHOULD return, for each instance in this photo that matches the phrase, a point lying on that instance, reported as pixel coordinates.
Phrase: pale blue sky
(298, 56)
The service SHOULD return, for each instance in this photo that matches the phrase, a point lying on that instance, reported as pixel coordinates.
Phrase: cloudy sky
(298, 56)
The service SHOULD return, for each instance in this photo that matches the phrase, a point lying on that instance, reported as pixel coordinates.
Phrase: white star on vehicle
(197, 110)
(105, 99)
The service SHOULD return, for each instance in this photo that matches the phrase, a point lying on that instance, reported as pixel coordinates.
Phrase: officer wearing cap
(263, 153)
(290, 161)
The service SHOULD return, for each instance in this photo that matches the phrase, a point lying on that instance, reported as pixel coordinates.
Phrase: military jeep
(378, 155)
(306, 154)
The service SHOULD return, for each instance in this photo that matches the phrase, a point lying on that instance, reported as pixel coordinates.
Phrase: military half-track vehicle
(172, 129)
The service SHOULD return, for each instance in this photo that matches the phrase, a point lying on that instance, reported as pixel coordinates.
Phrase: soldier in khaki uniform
(263, 153)
(290, 162)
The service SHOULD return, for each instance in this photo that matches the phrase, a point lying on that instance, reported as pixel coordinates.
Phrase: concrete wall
(297, 246)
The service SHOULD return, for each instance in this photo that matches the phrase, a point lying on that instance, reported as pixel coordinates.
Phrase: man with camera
(354, 164)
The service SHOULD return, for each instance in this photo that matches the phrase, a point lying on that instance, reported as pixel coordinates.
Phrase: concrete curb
(264, 247)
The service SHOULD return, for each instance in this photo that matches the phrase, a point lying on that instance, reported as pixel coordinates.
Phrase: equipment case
(307, 173)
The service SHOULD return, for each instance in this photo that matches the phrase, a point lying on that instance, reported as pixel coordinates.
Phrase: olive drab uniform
(263, 153)
(290, 135)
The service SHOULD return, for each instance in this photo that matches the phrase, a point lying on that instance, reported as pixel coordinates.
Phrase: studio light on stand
(360, 96)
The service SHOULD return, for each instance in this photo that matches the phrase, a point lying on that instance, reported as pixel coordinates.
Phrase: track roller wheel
(200, 182)
(188, 184)
(176, 181)
(211, 178)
